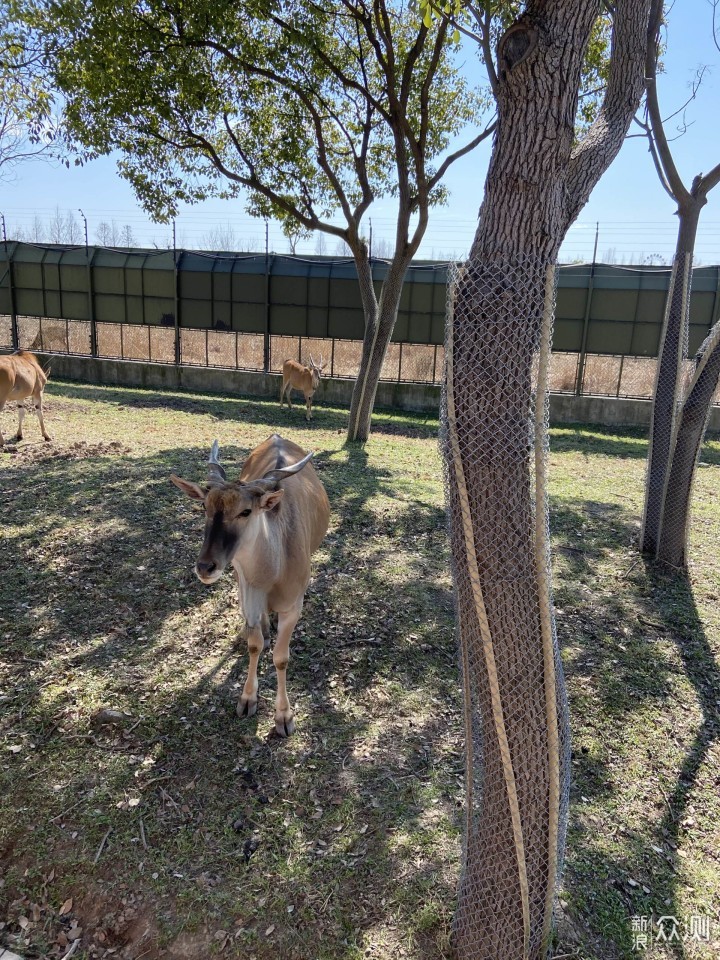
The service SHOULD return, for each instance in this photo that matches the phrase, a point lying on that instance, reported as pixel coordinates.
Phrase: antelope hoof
(47, 438)
(284, 723)
(246, 706)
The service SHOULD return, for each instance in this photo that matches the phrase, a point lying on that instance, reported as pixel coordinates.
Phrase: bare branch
(695, 87)
(195, 140)
(661, 145)
(710, 180)
(487, 50)
(622, 98)
(460, 153)
(647, 134)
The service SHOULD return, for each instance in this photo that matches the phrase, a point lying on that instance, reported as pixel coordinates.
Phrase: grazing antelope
(21, 376)
(266, 525)
(298, 377)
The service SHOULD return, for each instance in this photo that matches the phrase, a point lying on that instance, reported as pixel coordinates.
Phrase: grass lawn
(185, 832)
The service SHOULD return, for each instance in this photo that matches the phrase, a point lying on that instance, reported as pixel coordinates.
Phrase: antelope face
(316, 370)
(232, 510)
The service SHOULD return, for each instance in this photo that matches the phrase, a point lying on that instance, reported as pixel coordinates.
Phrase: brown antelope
(266, 524)
(298, 377)
(21, 376)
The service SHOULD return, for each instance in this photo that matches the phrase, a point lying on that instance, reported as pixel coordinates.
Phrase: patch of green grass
(192, 832)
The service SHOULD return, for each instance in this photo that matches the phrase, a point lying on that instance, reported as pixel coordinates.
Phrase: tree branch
(427, 87)
(440, 173)
(647, 133)
(488, 58)
(622, 98)
(661, 144)
(710, 180)
(251, 180)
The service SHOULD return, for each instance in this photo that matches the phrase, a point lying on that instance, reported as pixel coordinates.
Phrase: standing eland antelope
(299, 377)
(21, 376)
(266, 525)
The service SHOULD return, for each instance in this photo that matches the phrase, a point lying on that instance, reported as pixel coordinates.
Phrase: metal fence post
(583, 343)
(266, 335)
(586, 319)
(13, 307)
(177, 260)
(91, 303)
(715, 315)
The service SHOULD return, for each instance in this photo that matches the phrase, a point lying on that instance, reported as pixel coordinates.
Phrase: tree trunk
(372, 322)
(668, 380)
(512, 674)
(672, 541)
(375, 343)
(495, 418)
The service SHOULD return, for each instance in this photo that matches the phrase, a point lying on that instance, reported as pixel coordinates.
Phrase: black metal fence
(252, 312)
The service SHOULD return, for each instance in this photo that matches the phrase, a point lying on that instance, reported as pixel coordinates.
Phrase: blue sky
(634, 215)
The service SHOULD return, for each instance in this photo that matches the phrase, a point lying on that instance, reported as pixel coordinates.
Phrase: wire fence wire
(494, 443)
(599, 375)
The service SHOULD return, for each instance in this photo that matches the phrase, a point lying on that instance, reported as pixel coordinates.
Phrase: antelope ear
(270, 500)
(191, 489)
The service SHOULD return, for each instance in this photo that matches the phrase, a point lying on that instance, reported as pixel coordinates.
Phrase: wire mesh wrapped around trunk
(494, 440)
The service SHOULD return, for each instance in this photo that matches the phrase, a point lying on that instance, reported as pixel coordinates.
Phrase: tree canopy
(27, 125)
(316, 108)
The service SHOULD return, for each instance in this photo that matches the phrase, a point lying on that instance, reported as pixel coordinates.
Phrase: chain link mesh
(696, 394)
(666, 403)
(494, 442)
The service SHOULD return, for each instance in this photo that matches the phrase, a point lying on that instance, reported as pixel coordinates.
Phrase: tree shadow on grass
(644, 684)
(214, 825)
(597, 440)
(246, 409)
(626, 442)
(353, 822)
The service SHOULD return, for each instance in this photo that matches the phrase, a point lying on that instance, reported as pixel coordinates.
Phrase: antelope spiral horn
(215, 471)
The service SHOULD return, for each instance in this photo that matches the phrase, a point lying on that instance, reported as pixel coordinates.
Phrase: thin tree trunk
(672, 542)
(375, 343)
(668, 380)
(370, 311)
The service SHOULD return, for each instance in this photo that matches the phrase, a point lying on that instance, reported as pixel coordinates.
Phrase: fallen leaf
(108, 717)
(66, 907)
(269, 930)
